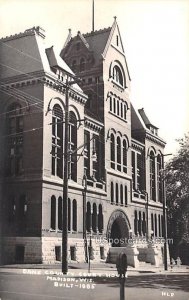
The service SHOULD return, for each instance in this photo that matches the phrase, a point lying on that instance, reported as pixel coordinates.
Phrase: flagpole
(93, 17)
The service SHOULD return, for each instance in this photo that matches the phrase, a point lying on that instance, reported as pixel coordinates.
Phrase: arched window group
(118, 153)
(15, 124)
(138, 171)
(56, 214)
(118, 194)
(156, 225)
(140, 223)
(118, 107)
(78, 65)
(94, 218)
(57, 141)
(72, 167)
(156, 188)
(152, 176)
(159, 181)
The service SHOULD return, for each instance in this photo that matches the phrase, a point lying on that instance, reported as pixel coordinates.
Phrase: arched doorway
(118, 229)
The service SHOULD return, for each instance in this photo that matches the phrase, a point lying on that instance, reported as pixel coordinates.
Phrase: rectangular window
(58, 253)
(19, 253)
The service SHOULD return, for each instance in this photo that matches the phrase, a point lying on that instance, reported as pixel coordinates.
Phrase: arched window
(94, 218)
(53, 212)
(111, 108)
(15, 125)
(74, 214)
(12, 209)
(155, 225)
(117, 194)
(162, 226)
(124, 156)
(125, 111)
(126, 195)
(60, 213)
(112, 151)
(117, 75)
(82, 64)
(72, 170)
(143, 223)
(159, 184)
(22, 209)
(121, 194)
(159, 225)
(88, 217)
(112, 193)
(117, 107)
(69, 214)
(152, 177)
(114, 102)
(152, 223)
(136, 223)
(140, 223)
(118, 153)
(121, 108)
(57, 141)
(100, 219)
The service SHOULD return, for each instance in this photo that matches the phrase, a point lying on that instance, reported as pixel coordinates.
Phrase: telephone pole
(164, 213)
(65, 181)
(65, 188)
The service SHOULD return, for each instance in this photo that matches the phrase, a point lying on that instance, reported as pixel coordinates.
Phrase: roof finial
(115, 18)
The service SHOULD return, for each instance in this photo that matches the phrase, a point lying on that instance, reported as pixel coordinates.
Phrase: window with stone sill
(118, 107)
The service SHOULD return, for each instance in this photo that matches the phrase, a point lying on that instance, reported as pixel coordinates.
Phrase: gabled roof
(97, 42)
(137, 123)
(145, 118)
(23, 53)
(56, 61)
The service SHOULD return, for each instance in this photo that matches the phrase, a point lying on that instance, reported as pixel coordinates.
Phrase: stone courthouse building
(115, 152)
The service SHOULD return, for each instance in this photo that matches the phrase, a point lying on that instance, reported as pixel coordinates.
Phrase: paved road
(14, 286)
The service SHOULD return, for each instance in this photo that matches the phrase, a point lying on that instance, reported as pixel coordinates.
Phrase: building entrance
(118, 229)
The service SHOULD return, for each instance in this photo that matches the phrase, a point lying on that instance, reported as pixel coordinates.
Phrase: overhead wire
(30, 76)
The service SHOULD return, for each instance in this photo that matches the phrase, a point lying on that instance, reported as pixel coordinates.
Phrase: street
(14, 286)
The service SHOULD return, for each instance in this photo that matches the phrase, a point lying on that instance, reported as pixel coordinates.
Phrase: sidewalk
(96, 269)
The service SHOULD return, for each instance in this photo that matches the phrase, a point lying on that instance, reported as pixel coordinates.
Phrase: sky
(155, 35)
